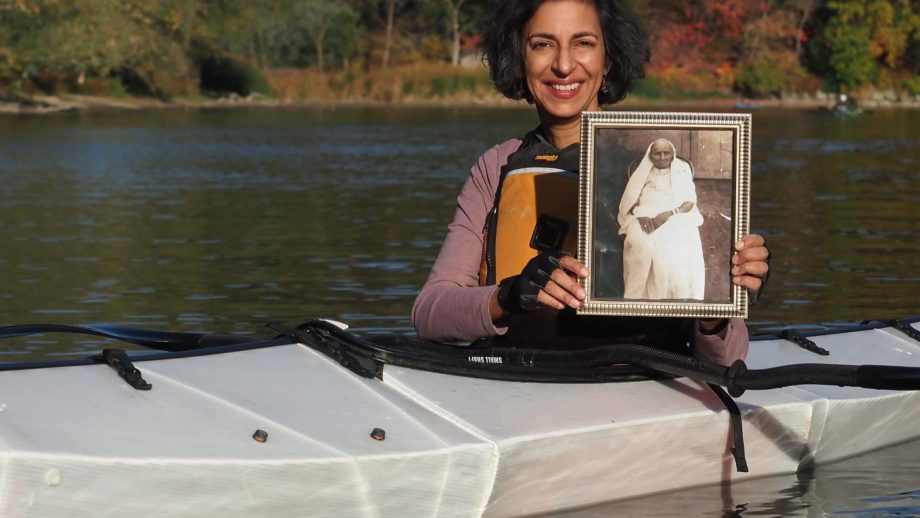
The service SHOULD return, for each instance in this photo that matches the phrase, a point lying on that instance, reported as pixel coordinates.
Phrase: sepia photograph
(663, 199)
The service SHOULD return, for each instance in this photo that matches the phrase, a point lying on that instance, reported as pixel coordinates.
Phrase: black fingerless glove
(518, 293)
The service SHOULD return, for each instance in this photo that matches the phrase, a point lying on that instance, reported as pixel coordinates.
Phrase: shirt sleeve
(452, 306)
(723, 348)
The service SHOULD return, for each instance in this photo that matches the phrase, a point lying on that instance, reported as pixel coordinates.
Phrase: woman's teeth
(567, 87)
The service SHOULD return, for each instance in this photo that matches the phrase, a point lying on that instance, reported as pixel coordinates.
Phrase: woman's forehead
(661, 145)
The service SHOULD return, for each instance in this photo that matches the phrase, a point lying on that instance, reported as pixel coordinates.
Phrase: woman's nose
(564, 64)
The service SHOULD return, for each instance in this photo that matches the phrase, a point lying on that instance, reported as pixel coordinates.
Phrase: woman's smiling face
(564, 58)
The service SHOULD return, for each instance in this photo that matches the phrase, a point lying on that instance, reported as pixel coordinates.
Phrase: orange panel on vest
(529, 198)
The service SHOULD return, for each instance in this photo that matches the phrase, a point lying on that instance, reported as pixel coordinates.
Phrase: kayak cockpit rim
(243, 343)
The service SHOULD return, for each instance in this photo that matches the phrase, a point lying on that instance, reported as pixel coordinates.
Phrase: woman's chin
(562, 113)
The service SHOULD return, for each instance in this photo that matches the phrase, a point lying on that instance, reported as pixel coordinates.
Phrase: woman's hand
(549, 279)
(750, 263)
(650, 225)
(563, 289)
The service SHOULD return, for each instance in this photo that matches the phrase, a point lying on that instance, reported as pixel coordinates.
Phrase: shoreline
(52, 104)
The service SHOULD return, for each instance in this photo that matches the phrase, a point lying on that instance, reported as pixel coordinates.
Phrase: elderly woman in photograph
(659, 219)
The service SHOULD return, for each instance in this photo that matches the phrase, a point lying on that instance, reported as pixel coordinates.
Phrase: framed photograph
(663, 197)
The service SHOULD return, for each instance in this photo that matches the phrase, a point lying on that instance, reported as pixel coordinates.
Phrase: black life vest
(535, 208)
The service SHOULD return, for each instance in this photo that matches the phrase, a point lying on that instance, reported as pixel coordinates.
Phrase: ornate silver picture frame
(663, 197)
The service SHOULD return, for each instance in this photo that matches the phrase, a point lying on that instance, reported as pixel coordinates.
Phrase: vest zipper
(490, 245)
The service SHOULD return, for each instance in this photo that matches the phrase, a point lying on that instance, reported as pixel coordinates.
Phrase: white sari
(668, 263)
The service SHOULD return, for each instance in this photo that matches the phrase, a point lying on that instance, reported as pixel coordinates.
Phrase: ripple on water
(830, 146)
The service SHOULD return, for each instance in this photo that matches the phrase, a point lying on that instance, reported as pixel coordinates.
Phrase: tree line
(165, 48)
(764, 47)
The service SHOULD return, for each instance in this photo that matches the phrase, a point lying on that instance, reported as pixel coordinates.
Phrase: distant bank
(86, 103)
(410, 86)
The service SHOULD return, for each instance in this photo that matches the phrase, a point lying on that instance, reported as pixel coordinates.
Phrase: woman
(659, 221)
(564, 57)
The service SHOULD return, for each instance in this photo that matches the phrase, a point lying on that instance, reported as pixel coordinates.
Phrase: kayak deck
(79, 441)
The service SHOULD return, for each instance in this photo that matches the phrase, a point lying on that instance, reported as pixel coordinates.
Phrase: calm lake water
(225, 220)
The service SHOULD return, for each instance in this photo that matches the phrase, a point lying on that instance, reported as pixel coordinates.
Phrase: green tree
(260, 32)
(100, 38)
(388, 38)
(804, 11)
(864, 37)
(453, 11)
(769, 60)
(320, 17)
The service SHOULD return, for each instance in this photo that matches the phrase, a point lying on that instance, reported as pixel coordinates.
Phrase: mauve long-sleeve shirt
(452, 306)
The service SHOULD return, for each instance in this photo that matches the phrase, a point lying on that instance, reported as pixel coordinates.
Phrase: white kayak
(79, 441)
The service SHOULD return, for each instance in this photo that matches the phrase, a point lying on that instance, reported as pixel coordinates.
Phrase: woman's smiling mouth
(565, 88)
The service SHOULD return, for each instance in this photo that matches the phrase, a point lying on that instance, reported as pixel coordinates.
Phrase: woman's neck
(562, 134)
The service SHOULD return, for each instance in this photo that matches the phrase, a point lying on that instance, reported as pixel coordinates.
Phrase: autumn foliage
(186, 47)
(763, 47)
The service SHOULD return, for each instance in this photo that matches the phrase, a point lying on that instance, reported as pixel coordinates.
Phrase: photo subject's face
(564, 57)
(661, 155)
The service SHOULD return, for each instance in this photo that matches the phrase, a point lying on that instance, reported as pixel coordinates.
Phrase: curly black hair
(625, 42)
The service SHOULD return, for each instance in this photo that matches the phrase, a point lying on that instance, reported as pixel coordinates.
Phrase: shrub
(681, 83)
(419, 82)
(228, 75)
(912, 85)
(649, 88)
(772, 74)
(10, 69)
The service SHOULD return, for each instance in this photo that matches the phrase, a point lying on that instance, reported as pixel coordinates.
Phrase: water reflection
(224, 220)
(880, 484)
